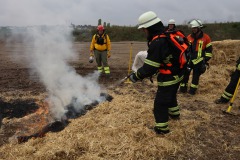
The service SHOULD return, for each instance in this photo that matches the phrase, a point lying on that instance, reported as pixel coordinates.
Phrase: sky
(121, 12)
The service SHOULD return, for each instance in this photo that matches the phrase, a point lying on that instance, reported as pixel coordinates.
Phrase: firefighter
(200, 54)
(171, 25)
(159, 60)
(141, 56)
(100, 49)
(229, 90)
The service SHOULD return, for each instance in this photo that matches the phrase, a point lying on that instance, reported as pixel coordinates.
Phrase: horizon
(90, 25)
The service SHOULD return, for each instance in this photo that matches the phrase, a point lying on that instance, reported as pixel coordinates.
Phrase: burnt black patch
(19, 109)
(73, 113)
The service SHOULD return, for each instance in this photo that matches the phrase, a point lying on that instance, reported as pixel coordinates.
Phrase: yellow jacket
(106, 46)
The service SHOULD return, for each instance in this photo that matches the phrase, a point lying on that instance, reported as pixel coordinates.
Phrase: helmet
(100, 28)
(196, 23)
(147, 19)
(171, 21)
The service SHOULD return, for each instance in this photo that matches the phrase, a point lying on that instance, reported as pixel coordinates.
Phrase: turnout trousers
(228, 93)
(102, 61)
(197, 71)
(165, 103)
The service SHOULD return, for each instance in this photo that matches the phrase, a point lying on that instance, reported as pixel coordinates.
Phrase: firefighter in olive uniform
(100, 48)
(229, 91)
(200, 54)
(159, 60)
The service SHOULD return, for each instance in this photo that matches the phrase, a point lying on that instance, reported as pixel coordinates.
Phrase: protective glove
(133, 77)
(189, 66)
(108, 54)
(203, 68)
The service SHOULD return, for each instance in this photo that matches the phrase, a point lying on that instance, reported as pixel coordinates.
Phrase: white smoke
(49, 54)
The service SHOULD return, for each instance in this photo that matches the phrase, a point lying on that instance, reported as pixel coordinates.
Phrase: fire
(40, 122)
(34, 125)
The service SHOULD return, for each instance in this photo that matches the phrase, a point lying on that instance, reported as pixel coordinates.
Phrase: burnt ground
(216, 135)
(20, 86)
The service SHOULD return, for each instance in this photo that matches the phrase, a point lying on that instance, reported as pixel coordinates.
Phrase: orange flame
(34, 125)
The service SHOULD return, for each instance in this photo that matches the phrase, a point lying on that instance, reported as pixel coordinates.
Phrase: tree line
(217, 32)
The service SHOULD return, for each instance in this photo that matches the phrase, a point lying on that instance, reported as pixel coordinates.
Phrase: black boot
(221, 100)
(183, 89)
(192, 91)
(160, 131)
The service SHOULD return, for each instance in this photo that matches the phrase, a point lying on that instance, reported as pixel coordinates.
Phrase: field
(120, 128)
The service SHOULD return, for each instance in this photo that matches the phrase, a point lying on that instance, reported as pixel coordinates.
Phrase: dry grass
(121, 129)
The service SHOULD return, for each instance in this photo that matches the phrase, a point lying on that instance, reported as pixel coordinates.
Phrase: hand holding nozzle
(125, 78)
(132, 77)
(91, 57)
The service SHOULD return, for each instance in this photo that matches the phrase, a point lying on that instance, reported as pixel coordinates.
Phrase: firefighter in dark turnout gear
(229, 90)
(200, 54)
(159, 59)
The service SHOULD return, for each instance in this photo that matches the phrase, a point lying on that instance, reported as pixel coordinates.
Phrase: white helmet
(147, 19)
(196, 23)
(171, 21)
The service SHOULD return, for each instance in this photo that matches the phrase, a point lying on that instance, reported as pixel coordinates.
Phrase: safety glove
(203, 68)
(189, 66)
(133, 77)
(108, 54)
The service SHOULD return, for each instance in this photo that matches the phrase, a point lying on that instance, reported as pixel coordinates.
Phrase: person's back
(159, 60)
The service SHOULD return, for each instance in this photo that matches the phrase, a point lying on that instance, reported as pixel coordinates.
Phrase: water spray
(119, 82)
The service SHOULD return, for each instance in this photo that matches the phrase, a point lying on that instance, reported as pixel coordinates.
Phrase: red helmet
(100, 28)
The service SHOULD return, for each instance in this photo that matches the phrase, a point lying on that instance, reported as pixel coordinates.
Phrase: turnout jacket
(159, 52)
(201, 47)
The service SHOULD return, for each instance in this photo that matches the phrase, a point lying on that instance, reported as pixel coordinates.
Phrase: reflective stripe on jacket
(158, 50)
(201, 47)
(168, 80)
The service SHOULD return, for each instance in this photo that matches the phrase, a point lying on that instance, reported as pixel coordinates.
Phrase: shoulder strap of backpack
(159, 36)
(172, 38)
(96, 36)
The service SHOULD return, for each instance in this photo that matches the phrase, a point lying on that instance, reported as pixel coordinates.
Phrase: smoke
(48, 56)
